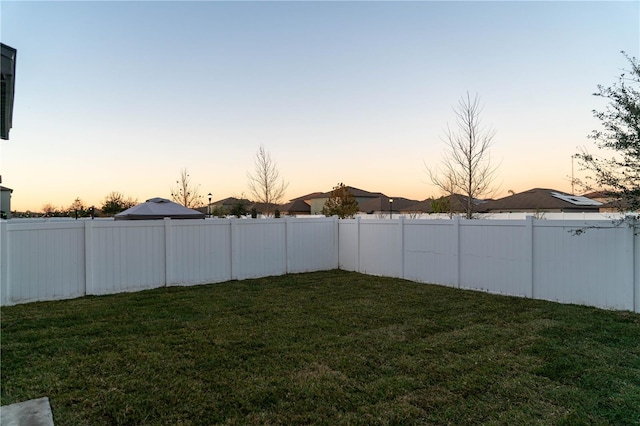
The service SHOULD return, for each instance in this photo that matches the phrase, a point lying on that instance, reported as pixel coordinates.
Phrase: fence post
(233, 248)
(336, 242)
(529, 254)
(358, 239)
(635, 259)
(401, 244)
(168, 252)
(456, 254)
(4, 263)
(288, 242)
(88, 258)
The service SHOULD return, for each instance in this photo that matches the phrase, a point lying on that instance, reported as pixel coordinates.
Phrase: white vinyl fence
(593, 263)
(60, 260)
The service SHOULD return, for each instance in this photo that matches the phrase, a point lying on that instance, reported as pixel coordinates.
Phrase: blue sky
(119, 96)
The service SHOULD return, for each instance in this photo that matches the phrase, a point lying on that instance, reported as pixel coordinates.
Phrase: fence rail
(593, 263)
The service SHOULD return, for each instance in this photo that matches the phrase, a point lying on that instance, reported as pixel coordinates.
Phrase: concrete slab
(35, 412)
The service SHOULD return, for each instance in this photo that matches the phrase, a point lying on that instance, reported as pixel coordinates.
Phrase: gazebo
(159, 208)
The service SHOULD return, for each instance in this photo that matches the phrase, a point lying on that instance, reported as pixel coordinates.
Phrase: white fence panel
(311, 245)
(381, 248)
(542, 259)
(47, 260)
(598, 265)
(348, 235)
(127, 256)
(259, 248)
(199, 252)
(593, 268)
(430, 253)
(495, 256)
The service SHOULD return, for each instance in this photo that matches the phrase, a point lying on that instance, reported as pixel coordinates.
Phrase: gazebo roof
(158, 208)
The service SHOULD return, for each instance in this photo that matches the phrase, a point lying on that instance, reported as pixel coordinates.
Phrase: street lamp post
(390, 208)
(209, 205)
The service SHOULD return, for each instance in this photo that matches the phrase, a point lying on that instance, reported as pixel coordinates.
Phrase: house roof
(4, 188)
(597, 194)
(382, 204)
(423, 206)
(307, 197)
(231, 201)
(356, 192)
(296, 206)
(458, 203)
(158, 208)
(541, 199)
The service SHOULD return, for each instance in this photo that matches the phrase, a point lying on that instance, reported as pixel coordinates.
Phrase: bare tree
(50, 210)
(466, 166)
(265, 183)
(186, 193)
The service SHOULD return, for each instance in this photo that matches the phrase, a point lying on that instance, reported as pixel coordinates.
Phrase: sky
(123, 95)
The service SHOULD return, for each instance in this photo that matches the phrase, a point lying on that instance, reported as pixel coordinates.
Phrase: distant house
(424, 206)
(264, 208)
(296, 207)
(541, 200)
(601, 196)
(454, 203)
(5, 202)
(318, 201)
(610, 203)
(384, 205)
(227, 204)
(300, 205)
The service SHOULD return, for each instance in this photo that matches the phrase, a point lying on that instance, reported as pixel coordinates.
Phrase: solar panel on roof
(576, 200)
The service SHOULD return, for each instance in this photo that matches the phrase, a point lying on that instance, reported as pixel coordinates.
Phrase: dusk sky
(120, 96)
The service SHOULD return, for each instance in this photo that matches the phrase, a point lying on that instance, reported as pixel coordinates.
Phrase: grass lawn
(322, 348)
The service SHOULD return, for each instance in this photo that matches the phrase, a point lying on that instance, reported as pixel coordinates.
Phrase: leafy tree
(466, 167)
(219, 211)
(78, 209)
(265, 183)
(239, 208)
(341, 203)
(186, 193)
(442, 205)
(618, 174)
(115, 202)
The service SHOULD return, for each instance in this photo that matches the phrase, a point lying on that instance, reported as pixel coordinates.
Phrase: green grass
(322, 348)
